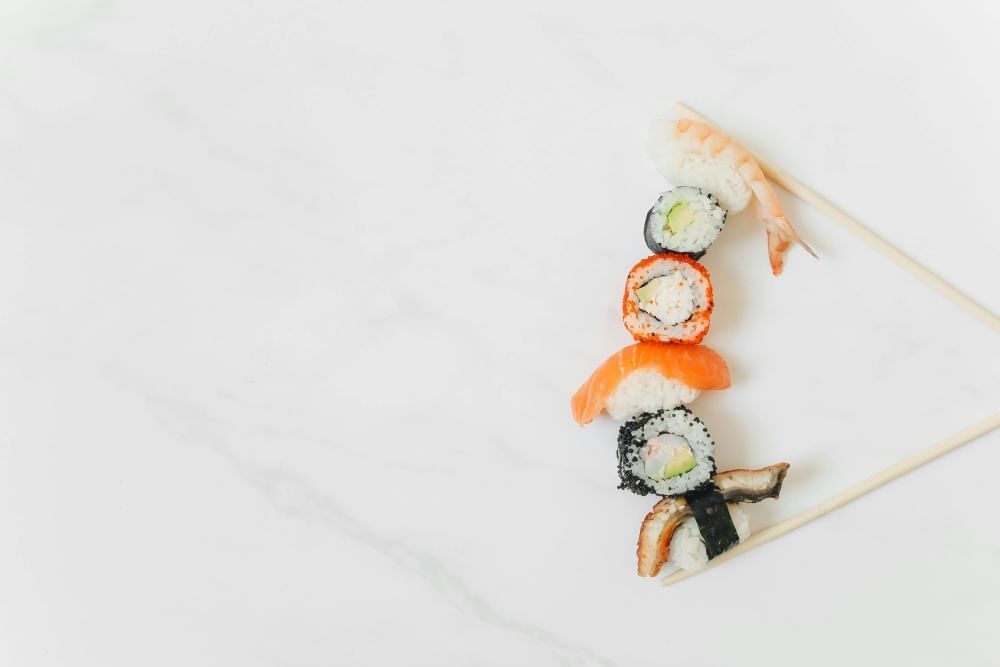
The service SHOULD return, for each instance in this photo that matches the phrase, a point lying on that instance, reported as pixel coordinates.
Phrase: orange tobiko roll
(668, 298)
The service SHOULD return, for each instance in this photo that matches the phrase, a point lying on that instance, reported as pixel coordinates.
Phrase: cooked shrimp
(699, 138)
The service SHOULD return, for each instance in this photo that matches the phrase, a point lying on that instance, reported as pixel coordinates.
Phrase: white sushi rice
(687, 549)
(647, 391)
(672, 300)
(709, 219)
(681, 163)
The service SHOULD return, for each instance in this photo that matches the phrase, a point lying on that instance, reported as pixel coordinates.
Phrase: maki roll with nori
(668, 298)
(684, 219)
(668, 453)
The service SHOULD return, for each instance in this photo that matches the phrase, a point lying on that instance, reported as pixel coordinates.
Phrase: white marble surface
(294, 296)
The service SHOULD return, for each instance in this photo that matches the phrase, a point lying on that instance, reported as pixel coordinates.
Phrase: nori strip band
(714, 521)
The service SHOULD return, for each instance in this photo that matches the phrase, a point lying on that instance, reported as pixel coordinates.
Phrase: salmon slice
(696, 366)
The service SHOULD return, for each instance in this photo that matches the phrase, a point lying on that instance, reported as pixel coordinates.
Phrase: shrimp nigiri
(688, 152)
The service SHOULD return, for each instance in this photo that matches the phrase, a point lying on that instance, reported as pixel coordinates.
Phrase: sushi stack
(664, 449)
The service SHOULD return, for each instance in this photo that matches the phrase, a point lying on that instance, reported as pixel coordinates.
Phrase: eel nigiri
(646, 377)
(735, 486)
(688, 152)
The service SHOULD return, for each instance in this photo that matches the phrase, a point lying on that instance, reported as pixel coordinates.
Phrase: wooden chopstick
(893, 253)
(909, 463)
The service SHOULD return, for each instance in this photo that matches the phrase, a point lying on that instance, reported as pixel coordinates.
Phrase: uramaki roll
(668, 298)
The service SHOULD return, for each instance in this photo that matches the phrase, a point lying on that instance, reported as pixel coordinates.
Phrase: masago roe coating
(668, 298)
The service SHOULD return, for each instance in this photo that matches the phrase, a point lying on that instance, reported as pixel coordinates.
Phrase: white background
(294, 296)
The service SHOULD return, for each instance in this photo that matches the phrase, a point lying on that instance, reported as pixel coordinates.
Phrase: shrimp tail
(780, 235)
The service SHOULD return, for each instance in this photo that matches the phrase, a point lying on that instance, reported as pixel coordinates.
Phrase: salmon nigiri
(647, 377)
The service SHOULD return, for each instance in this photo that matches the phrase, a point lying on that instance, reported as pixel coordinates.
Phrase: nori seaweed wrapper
(656, 248)
(648, 224)
(714, 521)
